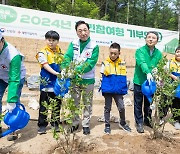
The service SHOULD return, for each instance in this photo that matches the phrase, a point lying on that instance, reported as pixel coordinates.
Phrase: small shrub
(162, 99)
(66, 140)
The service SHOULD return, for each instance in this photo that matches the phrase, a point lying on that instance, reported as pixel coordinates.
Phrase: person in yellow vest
(114, 85)
(49, 71)
(175, 67)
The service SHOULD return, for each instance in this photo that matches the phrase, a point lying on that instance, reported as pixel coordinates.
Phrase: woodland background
(163, 14)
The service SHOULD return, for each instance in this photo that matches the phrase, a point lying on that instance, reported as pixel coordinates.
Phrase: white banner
(29, 23)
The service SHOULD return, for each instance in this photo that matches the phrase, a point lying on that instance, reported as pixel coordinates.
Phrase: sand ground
(29, 142)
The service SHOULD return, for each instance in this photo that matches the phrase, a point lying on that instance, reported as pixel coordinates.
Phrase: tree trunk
(145, 12)
(106, 7)
(4, 2)
(179, 27)
(115, 10)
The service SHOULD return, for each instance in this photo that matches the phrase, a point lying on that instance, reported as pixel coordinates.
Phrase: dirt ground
(29, 142)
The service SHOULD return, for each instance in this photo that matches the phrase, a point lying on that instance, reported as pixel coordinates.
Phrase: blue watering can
(177, 94)
(61, 86)
(16, 120)
(148, 89)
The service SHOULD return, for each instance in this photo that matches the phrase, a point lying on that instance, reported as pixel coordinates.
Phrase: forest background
(162, 14)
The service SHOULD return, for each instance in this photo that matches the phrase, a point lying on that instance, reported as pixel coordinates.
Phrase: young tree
(162, 99)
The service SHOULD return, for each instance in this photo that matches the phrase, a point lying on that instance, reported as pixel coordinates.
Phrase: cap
(1, 36)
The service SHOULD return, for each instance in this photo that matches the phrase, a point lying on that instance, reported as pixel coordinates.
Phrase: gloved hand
(10, 106)
(149, 77)
(63, 73)
(154, 71)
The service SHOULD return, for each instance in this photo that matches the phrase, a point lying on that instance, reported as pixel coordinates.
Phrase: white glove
(152, 106)
(63, 73)
(10, 106)
(149, 77)
(154, 71)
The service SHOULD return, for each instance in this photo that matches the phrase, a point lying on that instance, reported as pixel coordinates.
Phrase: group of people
(86, 52)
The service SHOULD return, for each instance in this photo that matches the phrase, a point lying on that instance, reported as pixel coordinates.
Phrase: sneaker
(125, 127)
(86, 130)
(140, 128)
(42, 130)
(177, 125)
(107, 130)
(74, 128)
(12, 137)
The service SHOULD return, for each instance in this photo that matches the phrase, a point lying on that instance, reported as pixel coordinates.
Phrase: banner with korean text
(28, 23)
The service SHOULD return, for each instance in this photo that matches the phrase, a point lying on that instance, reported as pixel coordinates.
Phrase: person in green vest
(12, 75)
(85, 53)
(147, 58)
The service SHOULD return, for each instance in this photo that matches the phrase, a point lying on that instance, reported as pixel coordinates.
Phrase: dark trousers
(176, 105)
(163, 108)
(55, 115)
(108, 104)
(139, 98)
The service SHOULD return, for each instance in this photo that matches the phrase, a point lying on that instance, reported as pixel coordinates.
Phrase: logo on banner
(4, 67)
(2, 30)
(8, 15)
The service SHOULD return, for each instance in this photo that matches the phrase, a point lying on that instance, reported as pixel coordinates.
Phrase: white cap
(1, 36)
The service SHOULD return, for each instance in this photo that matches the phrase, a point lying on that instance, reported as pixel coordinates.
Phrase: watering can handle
(19, 104)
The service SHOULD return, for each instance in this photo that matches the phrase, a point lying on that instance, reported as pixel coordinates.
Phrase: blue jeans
(3, 86)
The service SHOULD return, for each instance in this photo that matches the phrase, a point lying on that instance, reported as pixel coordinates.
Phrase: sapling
(66, 140)
(162, 99)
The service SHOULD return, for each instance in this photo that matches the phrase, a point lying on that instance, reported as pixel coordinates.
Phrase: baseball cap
(1, 36)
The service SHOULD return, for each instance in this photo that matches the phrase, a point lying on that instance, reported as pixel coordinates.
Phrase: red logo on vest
(4, 67)
(88, 54)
